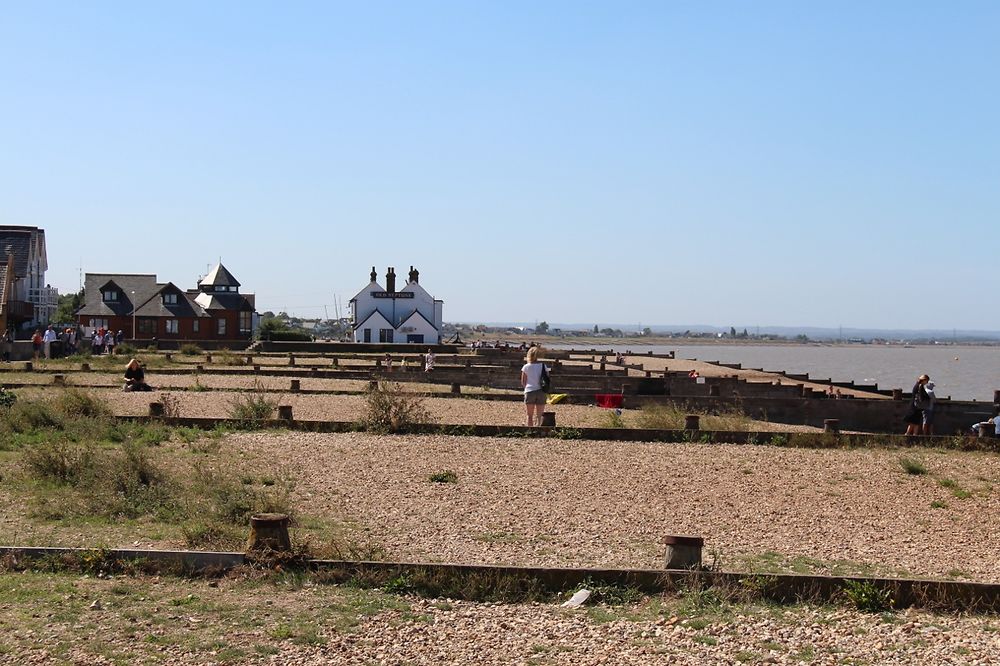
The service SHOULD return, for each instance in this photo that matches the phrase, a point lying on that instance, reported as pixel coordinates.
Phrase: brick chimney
(414, 274)
(390, 280)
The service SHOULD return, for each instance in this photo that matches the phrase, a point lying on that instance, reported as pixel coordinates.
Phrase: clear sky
(730, 163)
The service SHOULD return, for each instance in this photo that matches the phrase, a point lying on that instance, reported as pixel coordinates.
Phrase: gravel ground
(586, 503)
(85, 621)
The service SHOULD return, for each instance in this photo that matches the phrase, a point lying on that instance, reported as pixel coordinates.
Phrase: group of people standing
(104, 342)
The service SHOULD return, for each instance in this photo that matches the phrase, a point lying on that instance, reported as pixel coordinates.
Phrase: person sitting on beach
(135, 377)
(387, 360)
(693, 374)
(993, 422)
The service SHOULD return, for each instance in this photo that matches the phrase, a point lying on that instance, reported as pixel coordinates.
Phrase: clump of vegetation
(249, 408)
(63, 463)
(613, 419)
(76, 403)
(389, 410)
(126, 349)
(190, 349)
(7, 398)
(868, 597)
(671, 417)
(912, 466)
(225, 356)
(447, 476)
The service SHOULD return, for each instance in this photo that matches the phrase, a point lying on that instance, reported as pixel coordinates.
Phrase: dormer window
(170, 299)
(110, 295)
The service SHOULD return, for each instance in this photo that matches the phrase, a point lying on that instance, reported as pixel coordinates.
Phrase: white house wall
(391, 313)
(415, 324)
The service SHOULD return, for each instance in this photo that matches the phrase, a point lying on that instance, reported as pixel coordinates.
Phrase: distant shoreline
(657, 340)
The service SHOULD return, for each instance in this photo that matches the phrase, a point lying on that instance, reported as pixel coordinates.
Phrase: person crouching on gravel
(135, 377)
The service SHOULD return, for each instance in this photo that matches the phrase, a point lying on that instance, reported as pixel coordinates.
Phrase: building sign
(392, 294)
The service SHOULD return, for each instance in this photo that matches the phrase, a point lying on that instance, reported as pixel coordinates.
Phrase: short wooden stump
(683, 552)
(831, 425)
(548, 419)
(285, 412)
(692, 422)
(269, 532)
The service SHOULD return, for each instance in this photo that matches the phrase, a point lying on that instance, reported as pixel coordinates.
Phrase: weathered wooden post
(548, 420)
(831, 425)
(169, 357)
(691, 422)
(683, 552)
(85, 367)
(295, 387)
(248, 360)
(208, 358)
(256, 368)
(199, 367)
(269, 532)
(28, 366)
(156, 409)
(59, 380)
(336, 362)
(291, 360)
(456, 387)
(285, 412)
(897, 394)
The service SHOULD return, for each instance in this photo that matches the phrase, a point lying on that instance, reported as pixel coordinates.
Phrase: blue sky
(728, 163)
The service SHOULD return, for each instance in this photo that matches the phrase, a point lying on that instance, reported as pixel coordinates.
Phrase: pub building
(383, 314)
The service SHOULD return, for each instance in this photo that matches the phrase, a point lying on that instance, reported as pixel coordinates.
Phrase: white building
(382, 314)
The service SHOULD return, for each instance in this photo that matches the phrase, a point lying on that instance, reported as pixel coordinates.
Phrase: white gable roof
(374, 320)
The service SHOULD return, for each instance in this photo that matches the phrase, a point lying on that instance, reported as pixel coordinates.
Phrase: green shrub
(226, 499)
(7, 398)
(75, 403)
(868, 597)
(446, 476)
(251, 407)
(26, 415)
(64, 463)
(912, 466)
(190, 349)
(613, 419)
(388, 409)
(126, 349)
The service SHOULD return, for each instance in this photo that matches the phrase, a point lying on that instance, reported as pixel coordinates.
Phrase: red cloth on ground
(609, 400)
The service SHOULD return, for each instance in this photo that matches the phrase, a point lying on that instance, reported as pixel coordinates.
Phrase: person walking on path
(531, 382)
(429, 361)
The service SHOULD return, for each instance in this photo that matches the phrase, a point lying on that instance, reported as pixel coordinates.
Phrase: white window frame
(170, 299)
(109, 295)
(220, 326)
(174, 324)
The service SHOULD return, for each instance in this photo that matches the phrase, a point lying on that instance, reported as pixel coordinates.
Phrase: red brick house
(144, 309)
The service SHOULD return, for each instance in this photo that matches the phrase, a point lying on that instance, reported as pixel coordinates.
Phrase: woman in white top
(531, 381)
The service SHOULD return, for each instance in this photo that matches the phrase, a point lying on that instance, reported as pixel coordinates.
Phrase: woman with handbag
(534, 381)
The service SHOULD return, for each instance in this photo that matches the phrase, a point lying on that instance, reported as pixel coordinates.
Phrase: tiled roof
(143, 286)
(184, 307)
(219, 277)
(24, 243)
(224, 301)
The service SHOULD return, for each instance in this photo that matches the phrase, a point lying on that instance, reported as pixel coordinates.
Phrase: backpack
(546, 381)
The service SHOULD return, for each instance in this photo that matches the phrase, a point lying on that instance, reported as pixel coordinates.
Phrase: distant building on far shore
(26, 301)
(382, 314)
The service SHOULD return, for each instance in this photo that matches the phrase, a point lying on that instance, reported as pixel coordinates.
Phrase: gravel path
(586, 503)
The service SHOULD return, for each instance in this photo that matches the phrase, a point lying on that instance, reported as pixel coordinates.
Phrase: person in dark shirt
(135, 377)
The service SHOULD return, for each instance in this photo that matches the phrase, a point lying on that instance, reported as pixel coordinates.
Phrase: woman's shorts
(928, 417)
(535, 397)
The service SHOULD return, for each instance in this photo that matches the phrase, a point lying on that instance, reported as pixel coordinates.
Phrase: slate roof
(219, 277)
(24, 243)
(223, 301)
(184, 307)
(144, 286)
